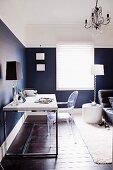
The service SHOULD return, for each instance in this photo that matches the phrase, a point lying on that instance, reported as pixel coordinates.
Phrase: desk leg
(1, 166)
(27, 142)
(5, 134)
(56, 133)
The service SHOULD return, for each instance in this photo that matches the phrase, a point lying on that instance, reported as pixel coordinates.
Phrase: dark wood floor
(72, 155)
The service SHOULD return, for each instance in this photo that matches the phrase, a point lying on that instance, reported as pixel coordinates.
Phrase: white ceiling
(54, 11)
(61, 11)
(18, 14)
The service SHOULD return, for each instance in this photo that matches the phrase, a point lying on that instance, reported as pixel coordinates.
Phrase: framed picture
(40, 56)
(40, 67)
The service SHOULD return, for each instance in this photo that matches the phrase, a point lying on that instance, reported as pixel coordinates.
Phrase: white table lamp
(14, 73)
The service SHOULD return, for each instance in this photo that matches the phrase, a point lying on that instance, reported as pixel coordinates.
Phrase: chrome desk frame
(30, 105)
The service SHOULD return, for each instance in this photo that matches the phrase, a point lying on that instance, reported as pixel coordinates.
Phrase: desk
(31, 105)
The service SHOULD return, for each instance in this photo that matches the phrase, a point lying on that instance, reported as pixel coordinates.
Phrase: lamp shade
(97, 69)
(13, 70)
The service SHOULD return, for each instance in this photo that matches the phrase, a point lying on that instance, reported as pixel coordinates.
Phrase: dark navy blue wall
(45, 82)
(105, 56)
(11, 49)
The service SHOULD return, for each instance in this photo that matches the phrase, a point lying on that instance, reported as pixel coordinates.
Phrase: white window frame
(63, 85)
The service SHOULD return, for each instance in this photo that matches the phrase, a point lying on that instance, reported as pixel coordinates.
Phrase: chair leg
(51, 133)
(1, 166)
(73, 129)
(48, 126)
(50, 130)
(69, 126)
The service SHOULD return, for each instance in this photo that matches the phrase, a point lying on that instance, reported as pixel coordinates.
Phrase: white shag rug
(97, 139)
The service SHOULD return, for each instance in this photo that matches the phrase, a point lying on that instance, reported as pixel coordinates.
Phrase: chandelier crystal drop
(97, 20)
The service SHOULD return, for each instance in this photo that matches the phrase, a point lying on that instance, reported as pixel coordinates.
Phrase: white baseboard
(11, 137)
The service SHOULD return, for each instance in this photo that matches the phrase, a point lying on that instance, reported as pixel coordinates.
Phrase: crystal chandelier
(96, 18)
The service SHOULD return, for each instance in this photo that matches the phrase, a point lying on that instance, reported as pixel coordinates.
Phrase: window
(73, 67)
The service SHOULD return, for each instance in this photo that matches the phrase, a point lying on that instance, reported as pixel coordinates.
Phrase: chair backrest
(72, 99)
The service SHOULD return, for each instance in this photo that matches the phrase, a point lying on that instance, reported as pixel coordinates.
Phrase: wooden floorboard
(73, 154)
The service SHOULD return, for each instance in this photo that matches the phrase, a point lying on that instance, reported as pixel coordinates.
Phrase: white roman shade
(73, 66)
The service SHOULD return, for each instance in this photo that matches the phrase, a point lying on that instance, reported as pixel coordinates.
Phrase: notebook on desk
(43, 100)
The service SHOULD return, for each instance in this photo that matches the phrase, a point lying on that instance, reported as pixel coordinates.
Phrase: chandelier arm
(106, 23)
(86, 26)
(100, 10)
(101, 21)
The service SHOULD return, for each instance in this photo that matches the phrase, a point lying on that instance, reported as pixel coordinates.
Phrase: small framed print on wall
(40, 56)
(40, 67)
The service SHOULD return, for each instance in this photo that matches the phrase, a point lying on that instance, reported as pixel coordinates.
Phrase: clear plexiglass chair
(64, 114)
